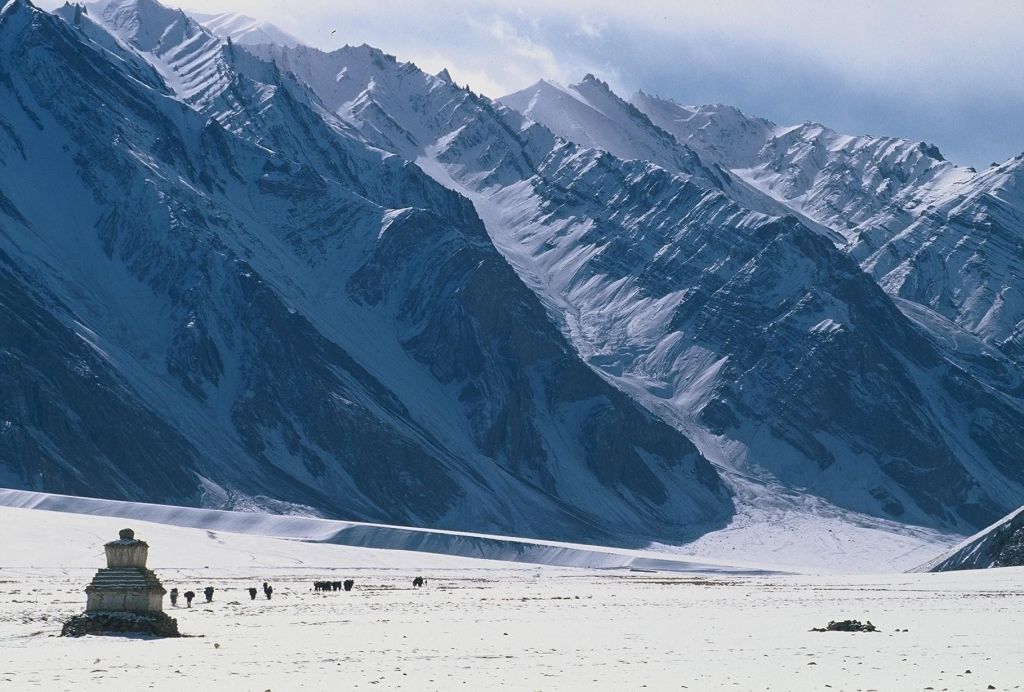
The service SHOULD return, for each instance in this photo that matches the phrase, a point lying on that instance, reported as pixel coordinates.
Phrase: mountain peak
(541, 86)
(445, 76)
(931, 150)
(145, 24)
(7, 7)
(590, 79)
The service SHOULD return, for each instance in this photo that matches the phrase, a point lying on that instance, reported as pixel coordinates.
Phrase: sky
(949, 73)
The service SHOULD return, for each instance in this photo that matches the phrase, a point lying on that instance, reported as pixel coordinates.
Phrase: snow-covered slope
(754, 334)
(237, 302)
(959, 250)
(944, 237)
(801, 542)
(722, 132)
(370, 544)
(245, 30)
(838, 180)
(1000, 545)
(591, 115)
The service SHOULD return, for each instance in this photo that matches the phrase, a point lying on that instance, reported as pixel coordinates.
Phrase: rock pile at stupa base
(125, 596)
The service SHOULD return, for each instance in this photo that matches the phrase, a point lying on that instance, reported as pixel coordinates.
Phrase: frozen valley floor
(489, 625)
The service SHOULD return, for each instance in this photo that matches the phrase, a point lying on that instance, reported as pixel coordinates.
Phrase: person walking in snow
(189, 595)
(252, 593)
(174, 597)
(268, 590)
(208, 592)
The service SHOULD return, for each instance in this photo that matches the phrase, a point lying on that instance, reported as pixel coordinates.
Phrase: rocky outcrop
(1000, 545)
(159, 625)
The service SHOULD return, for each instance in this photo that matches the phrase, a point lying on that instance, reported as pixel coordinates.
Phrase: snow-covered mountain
(959, 251)
(753, 333)
(944, 237)
(333, 281)
(234, 301)
(838, 180)
(1000, 545)
(592, 115)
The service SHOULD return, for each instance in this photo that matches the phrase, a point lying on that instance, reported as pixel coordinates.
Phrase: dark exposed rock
(152, 624)
(60, 401)
(846, 626)
(1000, 545)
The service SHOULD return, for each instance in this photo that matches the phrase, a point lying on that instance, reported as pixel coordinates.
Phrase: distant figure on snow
(252, 593)
(208, 592)
(174, 597)
(268, 590)
(189, 595)
(417, 582)
(348, 584)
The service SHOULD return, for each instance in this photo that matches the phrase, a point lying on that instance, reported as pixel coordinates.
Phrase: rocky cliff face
(999, 545)
(69, 421)
(283, 315)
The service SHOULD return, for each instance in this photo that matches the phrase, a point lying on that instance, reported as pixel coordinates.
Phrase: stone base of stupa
(98, 622)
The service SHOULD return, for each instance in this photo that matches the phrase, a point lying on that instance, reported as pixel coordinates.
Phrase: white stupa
(125, 585)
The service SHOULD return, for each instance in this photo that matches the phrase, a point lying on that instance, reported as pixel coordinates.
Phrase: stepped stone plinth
(124, 596)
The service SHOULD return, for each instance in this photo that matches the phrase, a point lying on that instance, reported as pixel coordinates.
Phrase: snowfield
(480, 624)
(783, 533)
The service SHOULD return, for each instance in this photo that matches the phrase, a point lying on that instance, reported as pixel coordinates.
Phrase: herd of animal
(347, 584)
(268, 590)
(334, 585)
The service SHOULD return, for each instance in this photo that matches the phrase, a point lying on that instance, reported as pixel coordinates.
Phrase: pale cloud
(479, 80)
(522, 59)
(522, 46)
(590, 28)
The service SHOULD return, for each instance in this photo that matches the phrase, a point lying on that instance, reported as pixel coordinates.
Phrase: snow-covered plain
(361, 535)
(482, 624)
(786, 532)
